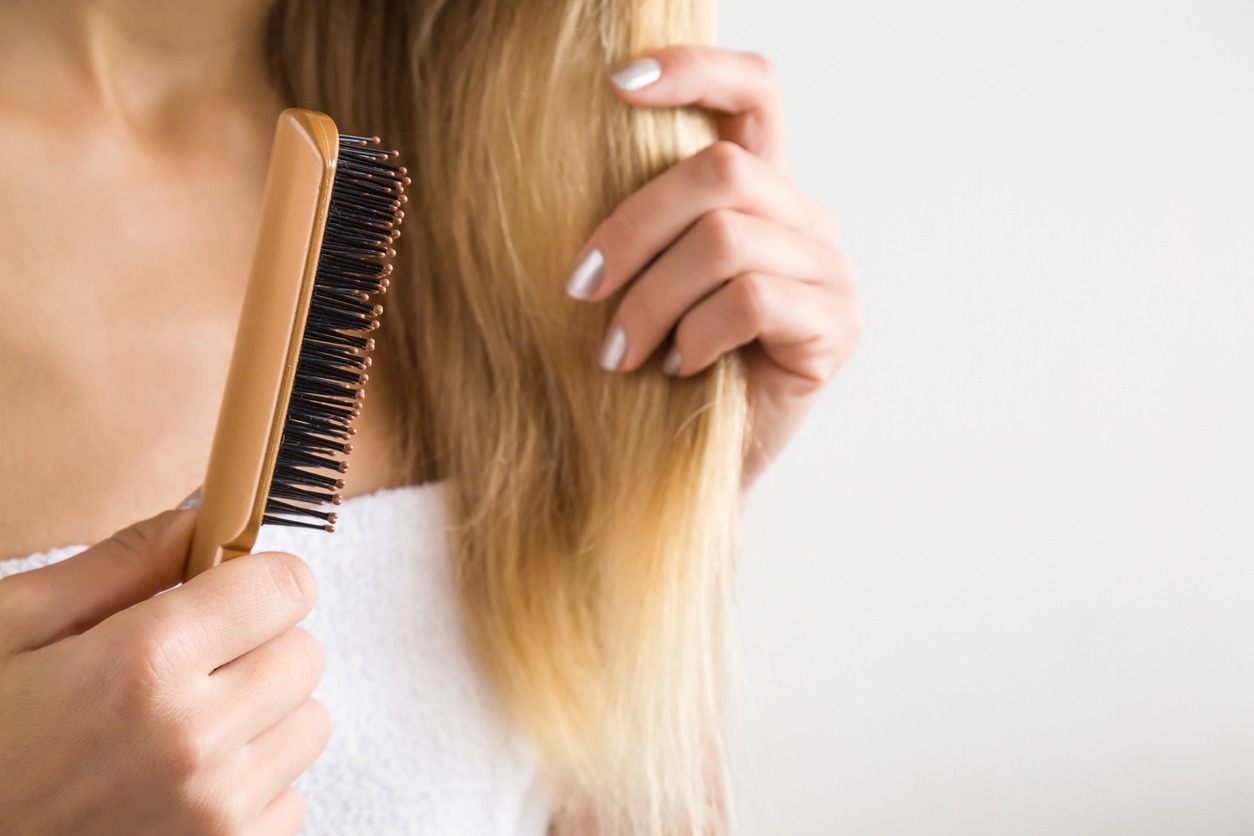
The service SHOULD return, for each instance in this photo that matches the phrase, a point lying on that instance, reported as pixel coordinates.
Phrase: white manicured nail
(673, 361)
(613, 349)
(193, 499)
(587, 275)
(637, 75)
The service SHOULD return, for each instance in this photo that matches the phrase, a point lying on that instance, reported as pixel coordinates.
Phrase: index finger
(740, 87)
(720, 176)
(222, 614)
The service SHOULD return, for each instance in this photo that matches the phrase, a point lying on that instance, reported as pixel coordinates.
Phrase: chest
(122, 288)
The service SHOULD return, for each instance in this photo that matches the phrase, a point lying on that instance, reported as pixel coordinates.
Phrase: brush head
(296, 380)
(328, 385)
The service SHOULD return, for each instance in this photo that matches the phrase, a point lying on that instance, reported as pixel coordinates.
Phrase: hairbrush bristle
(361, 226)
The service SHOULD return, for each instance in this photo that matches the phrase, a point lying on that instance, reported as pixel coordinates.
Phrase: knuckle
(623, 228)
(309, 650)
(837, 346)
(762, 67)
(727, 164)
(293, 579)
(148, 660)
(145, 536)
(694, 342)
(720, 229)
(751, 296)
(687, 332)
(207, 803)
(209, 810)
(188, 755)
(638, 312)
(681, 55)
(138, 540)
(824, 223)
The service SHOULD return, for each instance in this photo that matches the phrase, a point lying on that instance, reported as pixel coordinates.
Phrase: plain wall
(1002, 582)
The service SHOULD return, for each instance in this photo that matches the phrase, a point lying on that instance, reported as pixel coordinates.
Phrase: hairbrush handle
(267, 344)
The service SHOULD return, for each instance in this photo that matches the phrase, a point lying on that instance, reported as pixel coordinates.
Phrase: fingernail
(613, 349)
(637, 75)
(193, 499)
(673, 361)
(587, 275)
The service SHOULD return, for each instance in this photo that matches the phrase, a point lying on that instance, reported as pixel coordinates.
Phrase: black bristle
(326, 394)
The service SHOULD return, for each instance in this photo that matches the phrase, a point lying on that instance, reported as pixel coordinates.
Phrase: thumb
(45, 605)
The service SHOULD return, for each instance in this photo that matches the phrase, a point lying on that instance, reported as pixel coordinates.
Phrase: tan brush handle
(267, 344)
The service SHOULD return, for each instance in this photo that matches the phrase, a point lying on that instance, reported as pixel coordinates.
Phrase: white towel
(419, 745)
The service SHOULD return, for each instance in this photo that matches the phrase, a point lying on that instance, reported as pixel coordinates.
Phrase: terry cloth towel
(419, 744)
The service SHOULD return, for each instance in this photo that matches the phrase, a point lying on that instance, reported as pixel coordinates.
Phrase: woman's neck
(154, 69)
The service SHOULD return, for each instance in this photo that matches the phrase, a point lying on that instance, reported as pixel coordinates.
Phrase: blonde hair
(596, 515)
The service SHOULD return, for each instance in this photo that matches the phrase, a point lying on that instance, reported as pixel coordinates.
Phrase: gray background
(1003, 581)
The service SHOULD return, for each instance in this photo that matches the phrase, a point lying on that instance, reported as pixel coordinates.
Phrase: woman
(602, 327)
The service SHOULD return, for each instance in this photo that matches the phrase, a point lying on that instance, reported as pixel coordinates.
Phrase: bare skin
(131, 169)
(188, 712)
(134, 139)
(725, 253)
(133, 143)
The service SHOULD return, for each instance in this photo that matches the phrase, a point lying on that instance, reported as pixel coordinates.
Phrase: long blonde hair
(596, 515)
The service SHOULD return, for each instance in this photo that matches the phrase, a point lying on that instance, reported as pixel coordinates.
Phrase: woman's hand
(724, 251)
(188, 712)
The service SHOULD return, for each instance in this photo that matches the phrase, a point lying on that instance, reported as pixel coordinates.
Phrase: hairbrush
(329, 217)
